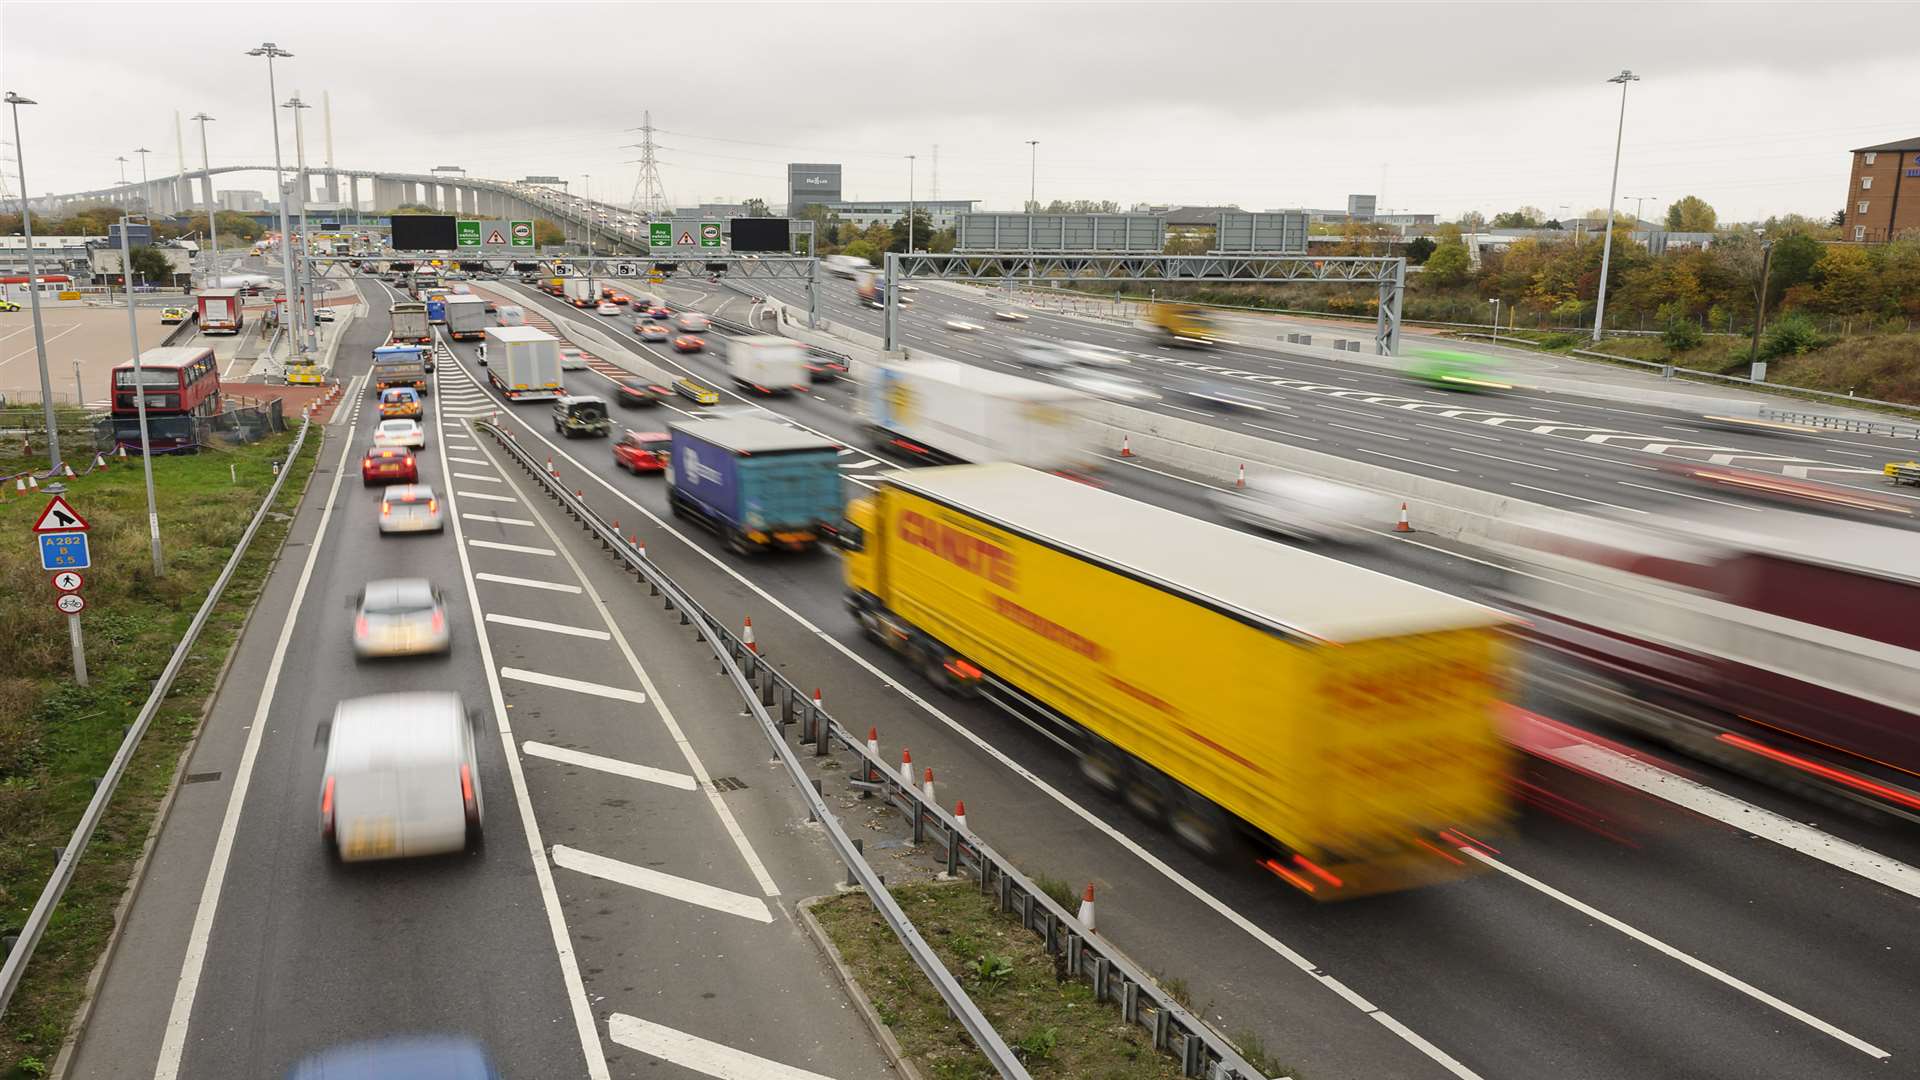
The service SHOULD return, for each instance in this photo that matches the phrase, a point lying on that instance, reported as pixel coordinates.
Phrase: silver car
(398, 432)
(410, 508)
(1307, 507)
(401, 778)
(400, 617)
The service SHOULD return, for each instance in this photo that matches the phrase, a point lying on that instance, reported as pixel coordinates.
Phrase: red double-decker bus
(180, 384)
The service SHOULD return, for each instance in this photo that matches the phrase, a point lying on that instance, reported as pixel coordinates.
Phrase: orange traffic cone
(960, 813)
(1086, 909)
(746, 636)
(1402, 525)
(1126, 446)
(906, 766)
(926, 787)
(1241, 480)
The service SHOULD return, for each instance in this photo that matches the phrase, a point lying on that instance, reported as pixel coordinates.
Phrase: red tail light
(439, 621)
(467, 800)
(386, 509)
(433, 506)
(1310, 867)
(960, 669)
(326, 809)
(360, 626)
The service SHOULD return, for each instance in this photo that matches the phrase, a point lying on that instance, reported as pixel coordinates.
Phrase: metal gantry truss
(1031, 268)
(783, 267)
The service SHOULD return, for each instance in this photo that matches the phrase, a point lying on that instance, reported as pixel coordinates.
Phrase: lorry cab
(857, 560)
(581, 414)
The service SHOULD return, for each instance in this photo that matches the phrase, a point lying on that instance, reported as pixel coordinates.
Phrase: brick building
(1883, 194)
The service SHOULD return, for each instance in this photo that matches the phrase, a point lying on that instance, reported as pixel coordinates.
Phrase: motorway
(1646, 916)
(631, 909)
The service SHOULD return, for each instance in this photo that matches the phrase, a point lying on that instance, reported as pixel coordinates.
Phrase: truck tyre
(1149, 794)
(1200, 826)
(737, 542)
(1103, 767)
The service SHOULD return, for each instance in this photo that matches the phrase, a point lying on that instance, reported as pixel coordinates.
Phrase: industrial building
(940, 213)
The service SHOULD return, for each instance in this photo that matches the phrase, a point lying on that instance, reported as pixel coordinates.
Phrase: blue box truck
(758, 484)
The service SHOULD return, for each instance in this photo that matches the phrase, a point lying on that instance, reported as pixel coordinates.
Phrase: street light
(1496, 318)
(586, 207)
(1606, 251)
(306, 225)
(1640, 201)
(1033, 200)
(140, 393)
(1760, 301)
(910, 159)
(122, 159)
(213, 234)
(33, 286)
(146, 189)
(273, 52)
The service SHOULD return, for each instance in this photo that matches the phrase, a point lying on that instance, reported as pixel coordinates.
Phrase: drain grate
(729, 783)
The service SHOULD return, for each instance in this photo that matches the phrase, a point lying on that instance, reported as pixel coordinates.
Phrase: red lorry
(220, 311)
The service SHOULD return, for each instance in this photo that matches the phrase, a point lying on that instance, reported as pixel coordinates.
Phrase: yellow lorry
(1221, 684)
(1184, 324)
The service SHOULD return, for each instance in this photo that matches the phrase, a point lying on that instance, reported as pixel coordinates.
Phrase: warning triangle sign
(59, 517)
(686, 238)
(494, 237)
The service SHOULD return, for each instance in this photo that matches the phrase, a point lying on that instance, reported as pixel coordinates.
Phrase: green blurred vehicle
(1456, 370)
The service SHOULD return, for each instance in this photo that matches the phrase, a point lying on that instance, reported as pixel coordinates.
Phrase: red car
(659, 312)
(389, 465)
(642, 451)
(652, 332)
(688, 343)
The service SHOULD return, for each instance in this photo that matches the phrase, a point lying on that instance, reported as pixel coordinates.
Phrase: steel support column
(1386, 329)
(891, 339)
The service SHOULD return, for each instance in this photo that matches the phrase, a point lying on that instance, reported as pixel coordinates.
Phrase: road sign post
(79, 644)
(61, 534)
(520, 233)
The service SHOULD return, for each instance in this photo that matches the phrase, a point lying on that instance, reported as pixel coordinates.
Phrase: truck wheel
(931, 667)
(1103, 767)
(737, 542)
(1149, 794)
(1200, 826)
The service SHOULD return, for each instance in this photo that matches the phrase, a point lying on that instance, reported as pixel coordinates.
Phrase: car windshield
(658, 446)
(403, 597)
(397, 427)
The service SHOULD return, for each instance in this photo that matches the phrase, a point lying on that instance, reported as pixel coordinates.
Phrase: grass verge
(56, 737)
(1055, 1025)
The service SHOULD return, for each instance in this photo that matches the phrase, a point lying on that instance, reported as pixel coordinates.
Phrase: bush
(1791, 335)
(1559, 341)
(1681, 334)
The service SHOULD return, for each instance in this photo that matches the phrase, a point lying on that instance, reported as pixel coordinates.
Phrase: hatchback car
(401, 779)
(694, 323)
(399, 402)
(688, 343)
(637, 393)
(643, 451)
(572, 359)
(607, 307)
(172, 316)
(659, 311)
(406, 433)
(412, 507)
(620, 298)
(653, 332)
(388, 465)
(400, 617)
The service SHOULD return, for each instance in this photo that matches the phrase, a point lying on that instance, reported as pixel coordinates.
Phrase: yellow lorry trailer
(1216, 681)
(1184, 324)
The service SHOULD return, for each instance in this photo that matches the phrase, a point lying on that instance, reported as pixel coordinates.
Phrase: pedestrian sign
(68, 581)
(494, 237)
(467, 233)
(660, 234)
(522, 233)
(64, 551)
(709, 234)
(59, 517)
(686, 238)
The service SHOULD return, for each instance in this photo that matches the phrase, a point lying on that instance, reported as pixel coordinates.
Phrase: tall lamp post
(586, 207)
(273, 52)
(1759, 304)
(910, 159)
(140, 394)
(146, 188)
(213, 233)
(1606, 251)
(33, 286)
(1033, 200)
(306, 227)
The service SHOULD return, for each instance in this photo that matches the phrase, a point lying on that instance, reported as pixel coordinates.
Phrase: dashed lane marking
(483, 495)
(686, 890)
(497, 520)
(482, 477)
(697, 1054)
(549, 627)
(528, 583)
(629, 769)
(518, 549)
(578, 686)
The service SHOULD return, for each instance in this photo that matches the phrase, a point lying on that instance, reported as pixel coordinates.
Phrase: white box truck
(581, 292)
(948, 411)
(467, 317)
(771, 365)
(524, 363)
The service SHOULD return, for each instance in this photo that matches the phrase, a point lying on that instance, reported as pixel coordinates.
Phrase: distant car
(410, 508)
(400, 617)
(1011, 316)
(659, 311)
(607, 307)
(1305, 507)
(693, 322)
(688, 343)
(401, 780)
(1109, 385)
(637, 393)
(400, 433)
(172, 316)
(962, 326)
(388, 465)
(825, 368)
(324, 314)
(492, 308)
(620, 298)
(443, 1057)
(643, 451)
(653, 332)
(8, 305)
(572, 359)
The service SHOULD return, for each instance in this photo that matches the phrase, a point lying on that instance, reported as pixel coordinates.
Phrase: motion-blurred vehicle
(693, 322)
(1219, 683)
(572, 358)
(695, 391)
(400, 617)
(172, 316)
(687, 343)
(1451, 369)
(1106, 385)
(1782, 645)
(1202, 392)
(653, 331)
(399, 402)
(1306, 507)
(441, 1057)
(401, 779)
(510, 315)
(633, 392)
(758, 485)
(1011, 316)
(619, 297)
(9, 305)
(962, 326)
(324, 314)
(942, 410)
(1184, 324)
(410, 508)
(768, 364)
(1049, 356)
(1791, 490)
(388, 465)
(607, 307)
(643, 451)
(581, 414)
(406, 433)
(825, 368)
(659, 311)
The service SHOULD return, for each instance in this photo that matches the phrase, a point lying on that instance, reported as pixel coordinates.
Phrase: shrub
(1559, 341)
(1681, 334)
(1791, 335)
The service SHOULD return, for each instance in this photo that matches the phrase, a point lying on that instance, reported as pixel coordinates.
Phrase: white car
(1106, 384)
(406, 433)
(402, 778)
(962, 326)
(408, 508)
(572, 359)
(1011, 316)
(324, 314)
(1306, 507)
(607, 307)
(400, 617)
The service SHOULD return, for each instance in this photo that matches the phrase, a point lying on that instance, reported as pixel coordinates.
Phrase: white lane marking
(1576, 498)
(483, 478)
(518, 549)
(586, 1029)
(697, 1054)
(1508, 460)
(1601, 460)
(857, 465)
(1277, 431)
(173, 1043)
(1468, 434)
(1693, 962)
(549, 627)
(1366, 431)
(1176, 408)
(485, 496)
(1408, 460)
(1686, 495)
(467, 461)
(578, 686)
(685, 890)
(1744, 816)
(498, 520)
(615, 766)
(961, 731)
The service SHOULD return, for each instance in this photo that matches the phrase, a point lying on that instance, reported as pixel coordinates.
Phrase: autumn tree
(1448, 265)
(1691, 214)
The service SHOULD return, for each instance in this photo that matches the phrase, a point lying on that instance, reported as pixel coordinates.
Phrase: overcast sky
(1438, 107)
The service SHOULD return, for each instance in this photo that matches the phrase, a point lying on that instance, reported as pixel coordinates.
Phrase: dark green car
(581, 414)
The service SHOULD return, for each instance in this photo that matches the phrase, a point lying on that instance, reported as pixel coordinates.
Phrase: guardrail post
(1191, 1058)
(1162, 1028)
(1129, 994)
(1100, 971)
(919, 818)
(860, 850)
(768, 689)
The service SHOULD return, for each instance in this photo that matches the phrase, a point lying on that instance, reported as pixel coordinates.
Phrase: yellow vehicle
(697, 392)
(173, 316)
(1184, 324)
(304, 375)
(1216, 681)
(400, 402)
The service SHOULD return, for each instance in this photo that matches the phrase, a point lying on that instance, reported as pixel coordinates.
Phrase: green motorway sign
(709, 234)
(467, 233)
(660, 234)
(520, 233)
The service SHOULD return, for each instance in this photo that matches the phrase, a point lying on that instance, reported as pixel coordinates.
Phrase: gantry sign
(1034, 268)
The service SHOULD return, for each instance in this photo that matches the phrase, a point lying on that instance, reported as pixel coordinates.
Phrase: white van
(510, 315)
(401, 778)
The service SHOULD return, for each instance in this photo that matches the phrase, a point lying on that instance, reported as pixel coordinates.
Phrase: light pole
(910, 159)
(1760, 300)
(1033, 200)
(1640, 201)
(140, 395)
(1606, 251)
(146, 188)
(213, 234)
(33, 285)
(306, 226)
(272, 52)
(586, 207)
(1496, 318)
(122, 159)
